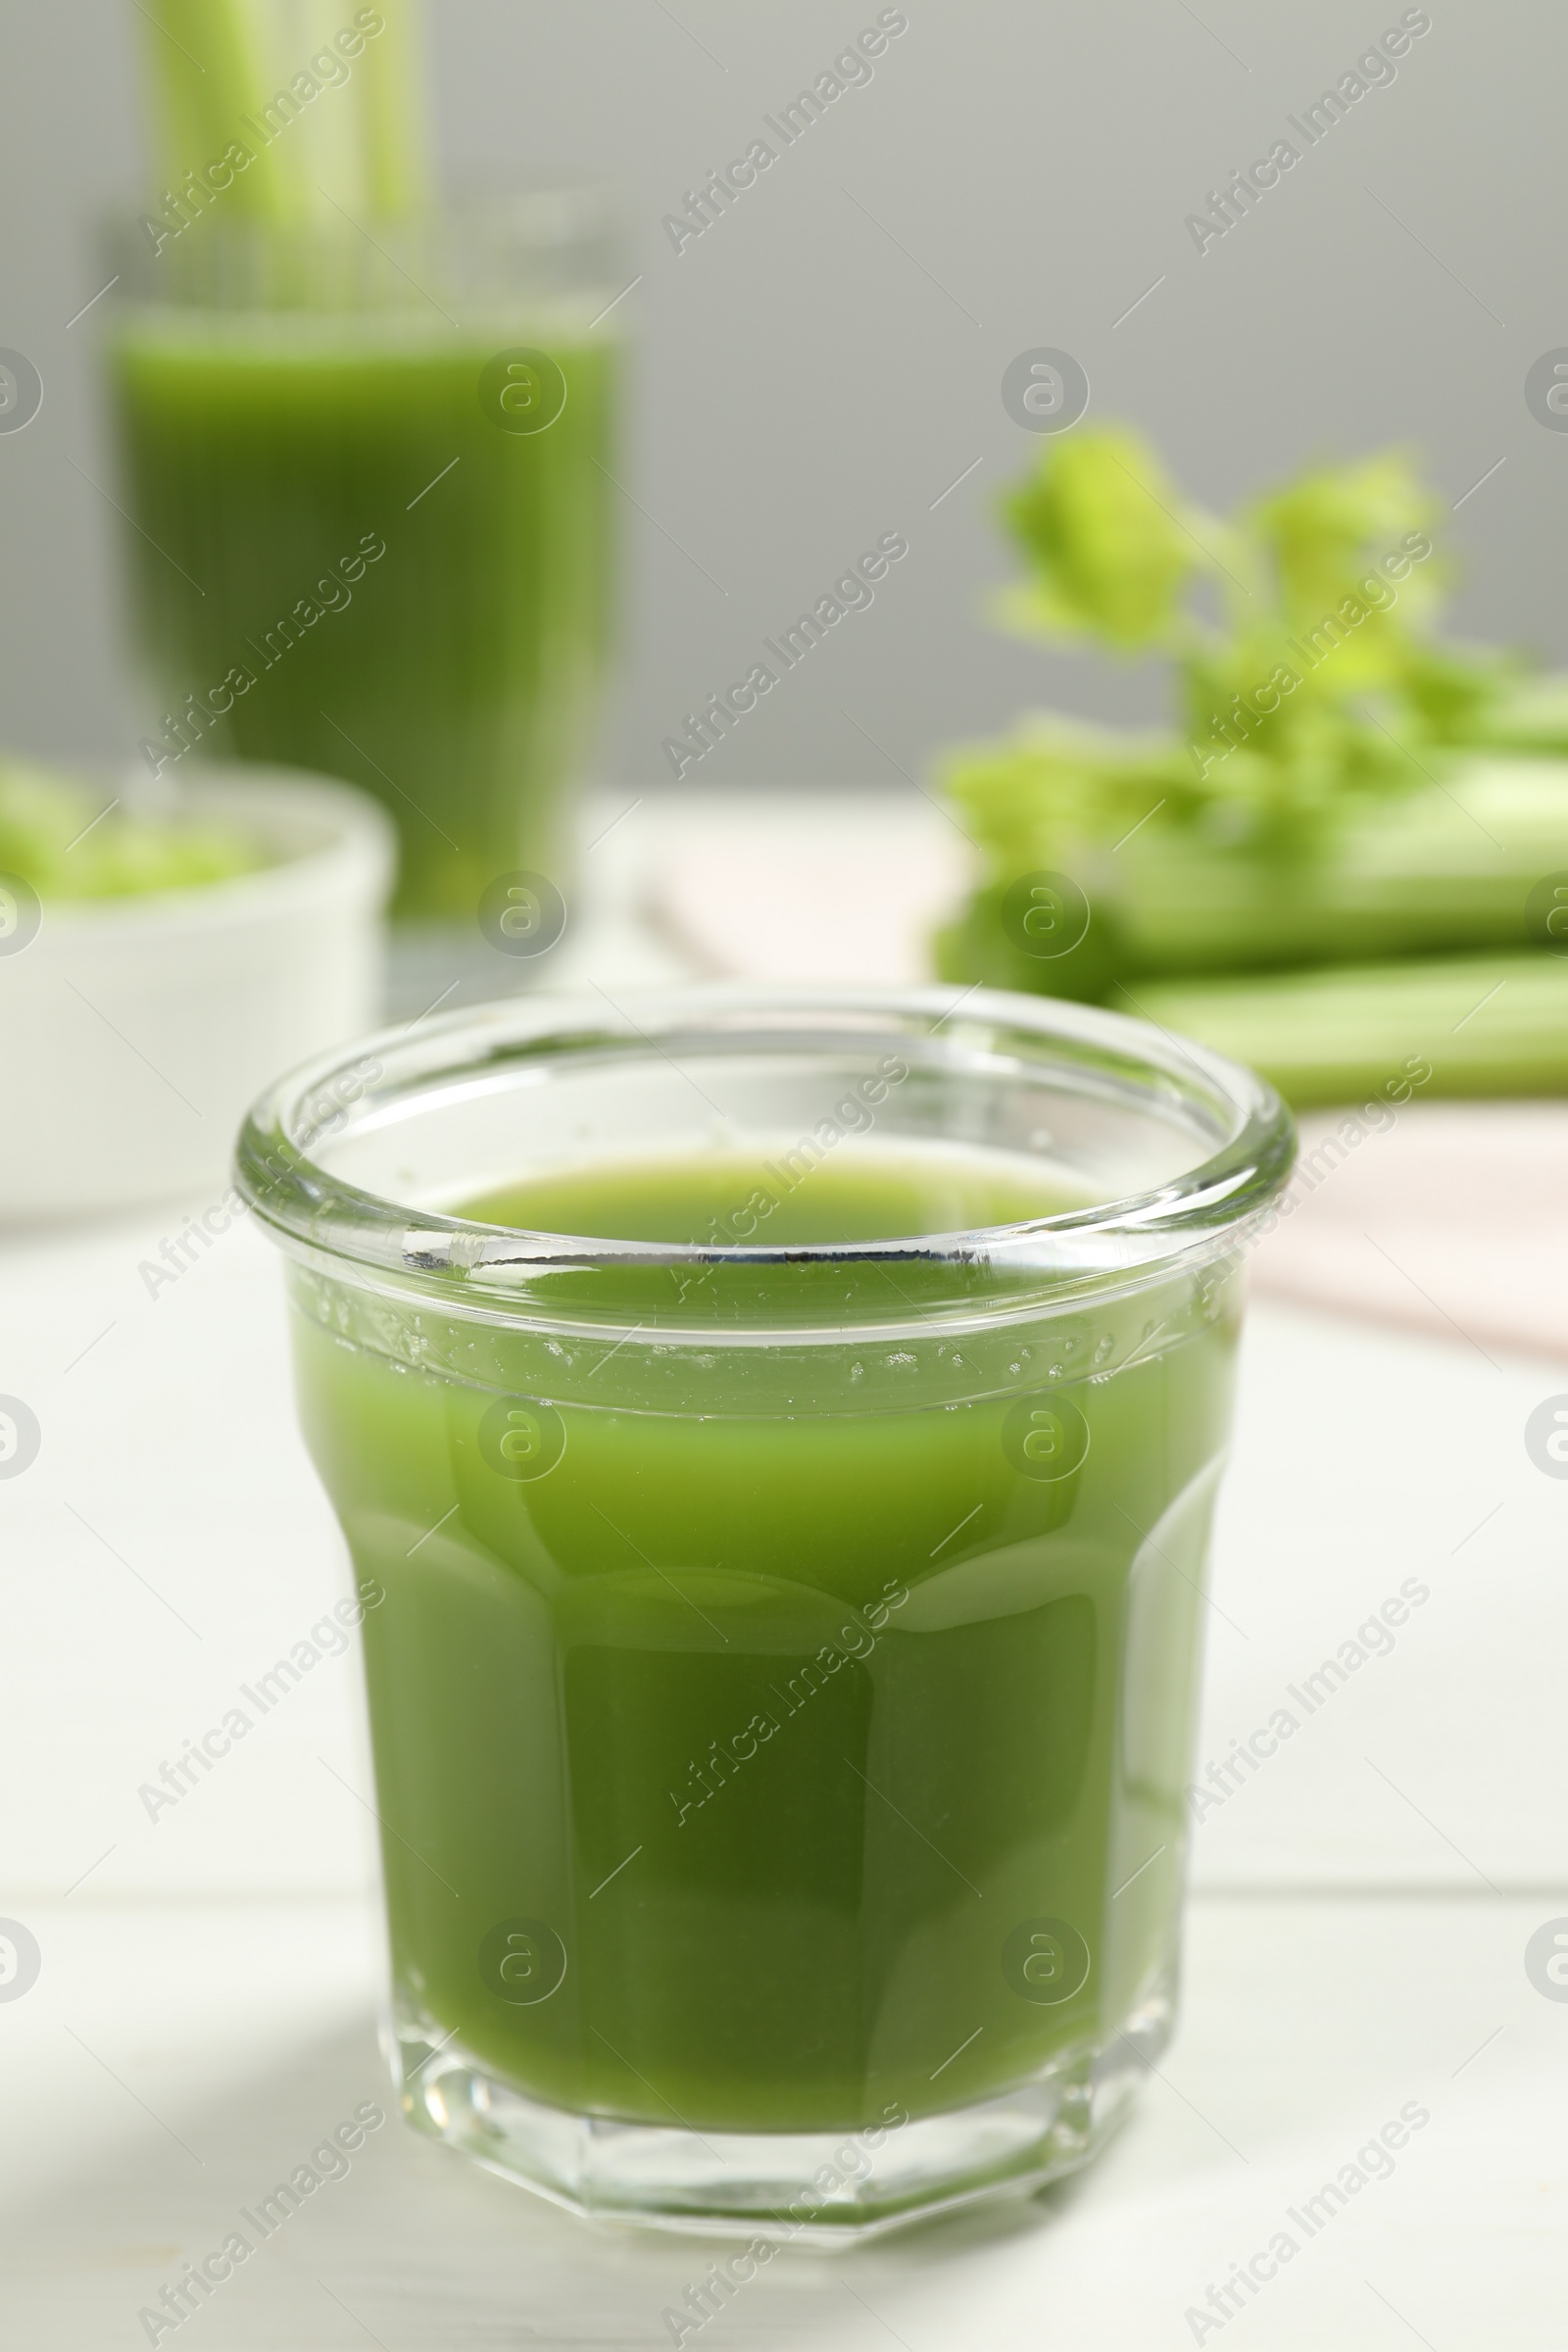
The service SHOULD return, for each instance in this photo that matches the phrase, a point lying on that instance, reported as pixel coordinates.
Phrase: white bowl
(135, 1032)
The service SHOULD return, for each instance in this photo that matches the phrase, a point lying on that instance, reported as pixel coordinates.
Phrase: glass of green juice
(365, 477)
(776, 1435)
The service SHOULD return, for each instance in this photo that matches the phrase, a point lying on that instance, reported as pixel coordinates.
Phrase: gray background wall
(809, 376)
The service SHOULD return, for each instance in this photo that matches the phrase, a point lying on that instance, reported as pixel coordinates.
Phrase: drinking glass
(370, 527)
(784, 1661)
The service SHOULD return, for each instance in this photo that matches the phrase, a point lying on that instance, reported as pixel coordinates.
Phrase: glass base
(814, 2187)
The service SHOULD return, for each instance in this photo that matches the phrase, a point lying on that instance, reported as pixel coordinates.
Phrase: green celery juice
(779, 1738)
(343, 563)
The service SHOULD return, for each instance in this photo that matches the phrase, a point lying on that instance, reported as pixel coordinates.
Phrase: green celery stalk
(358, 142)
(1446, 870)
(208, 64)
(394, 139)
(1535, 719)
(1309, 805)
(325, 140)
(1493, 1025)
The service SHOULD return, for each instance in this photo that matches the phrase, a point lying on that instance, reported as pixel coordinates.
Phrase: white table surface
(204, 2012)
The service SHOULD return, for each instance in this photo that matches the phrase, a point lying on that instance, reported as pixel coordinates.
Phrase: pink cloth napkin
(1453, 1220)
(804, 889)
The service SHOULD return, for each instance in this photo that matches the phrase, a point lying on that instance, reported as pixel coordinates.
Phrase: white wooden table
(204, 2013)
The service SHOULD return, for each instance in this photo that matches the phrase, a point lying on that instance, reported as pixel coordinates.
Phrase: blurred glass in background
(363, 446)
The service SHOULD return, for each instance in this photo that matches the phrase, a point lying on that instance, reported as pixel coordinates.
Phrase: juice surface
(417, 597)
(752, 1200)
(769, 1752)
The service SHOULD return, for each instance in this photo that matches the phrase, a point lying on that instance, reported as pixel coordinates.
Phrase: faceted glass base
(822, 2188)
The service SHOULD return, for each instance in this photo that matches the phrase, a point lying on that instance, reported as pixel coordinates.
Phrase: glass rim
(315, 1214)
(473, 238)
(557, 206)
